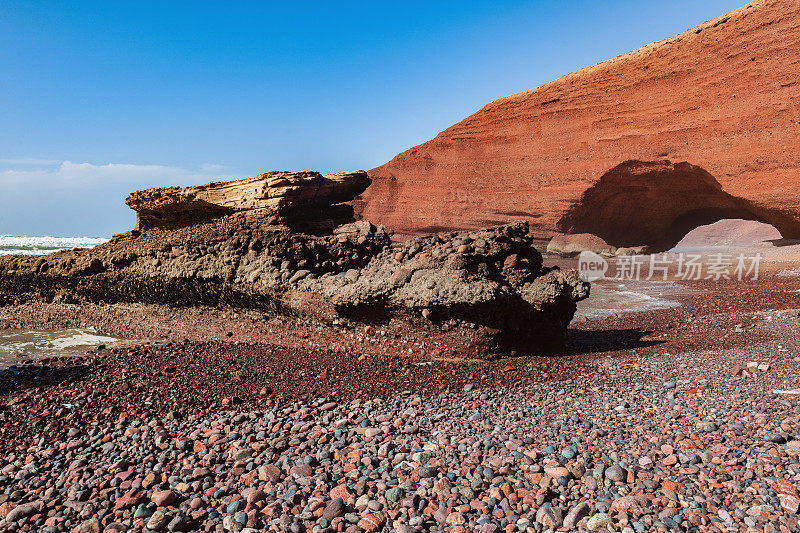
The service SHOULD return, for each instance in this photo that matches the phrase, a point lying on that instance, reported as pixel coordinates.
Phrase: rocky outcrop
(570, 245)
(724, 95)
(276, 197)
(481, 293)
(490, 280)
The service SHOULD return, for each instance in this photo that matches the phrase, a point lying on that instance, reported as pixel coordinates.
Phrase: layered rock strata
(306, 197)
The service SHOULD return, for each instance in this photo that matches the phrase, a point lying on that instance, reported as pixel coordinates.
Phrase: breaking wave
(10, 244)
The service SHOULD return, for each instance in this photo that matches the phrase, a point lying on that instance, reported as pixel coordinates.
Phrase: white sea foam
(10, 244)
(609, 297)
(47, 342)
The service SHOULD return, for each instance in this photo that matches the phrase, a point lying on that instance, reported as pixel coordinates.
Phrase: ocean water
(612, 296)
(29, 342)
(10, 244)
(608, 297)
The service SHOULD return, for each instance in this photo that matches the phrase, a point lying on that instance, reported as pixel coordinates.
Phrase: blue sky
(101, 98)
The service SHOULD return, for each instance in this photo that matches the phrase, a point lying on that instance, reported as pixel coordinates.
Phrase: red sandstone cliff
(724, 96)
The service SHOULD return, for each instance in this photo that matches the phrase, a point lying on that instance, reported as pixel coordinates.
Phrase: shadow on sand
(584, 341)
(780, 243)
(31, 376)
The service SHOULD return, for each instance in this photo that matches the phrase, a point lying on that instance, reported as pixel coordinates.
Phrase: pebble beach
(680, 419)
(514, 288)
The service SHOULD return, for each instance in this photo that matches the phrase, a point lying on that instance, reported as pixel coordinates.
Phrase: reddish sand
(724, 96)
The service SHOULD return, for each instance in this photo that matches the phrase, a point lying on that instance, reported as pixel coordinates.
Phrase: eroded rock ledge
(483, 292)
(273, 197)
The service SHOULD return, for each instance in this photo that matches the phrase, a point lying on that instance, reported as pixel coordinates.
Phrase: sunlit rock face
(277, 196)
(724, 96)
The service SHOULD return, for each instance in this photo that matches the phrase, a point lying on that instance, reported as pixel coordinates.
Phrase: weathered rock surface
(492, 279)
(486, 291)
(569, 245)
(277, 196)
(731, 233)
(724, 95)
(225, 261)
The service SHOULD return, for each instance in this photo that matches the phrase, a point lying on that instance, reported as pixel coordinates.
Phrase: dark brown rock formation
(484, 291)
(492, 280)
(724, 95)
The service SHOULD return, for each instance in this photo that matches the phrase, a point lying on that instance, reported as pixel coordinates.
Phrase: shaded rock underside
(307, 198)
(657, 203)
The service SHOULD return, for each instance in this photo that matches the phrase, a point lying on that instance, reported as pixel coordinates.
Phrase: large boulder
(491, 281)
(730, 233)
(574, 244)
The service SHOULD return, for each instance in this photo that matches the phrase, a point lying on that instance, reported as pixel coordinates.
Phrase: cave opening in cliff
(657, 203)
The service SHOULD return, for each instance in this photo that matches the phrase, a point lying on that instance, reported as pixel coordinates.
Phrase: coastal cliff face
(724, 96)
(483, 292)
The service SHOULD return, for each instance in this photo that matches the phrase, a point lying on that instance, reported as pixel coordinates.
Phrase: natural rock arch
(656, 203)
(725, 94)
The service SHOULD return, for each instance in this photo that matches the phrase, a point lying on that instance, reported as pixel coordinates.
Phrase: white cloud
(66, 174)
(62, 198)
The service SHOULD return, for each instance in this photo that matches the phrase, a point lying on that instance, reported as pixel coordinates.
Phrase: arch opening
(657, 203)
